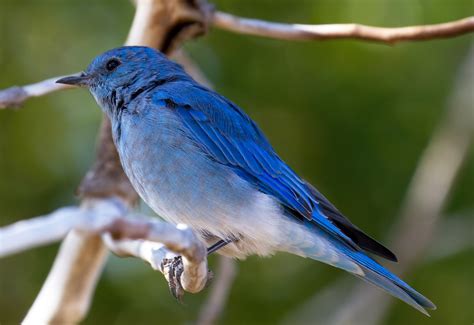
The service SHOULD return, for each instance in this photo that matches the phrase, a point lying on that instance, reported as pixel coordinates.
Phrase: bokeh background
(351, 117)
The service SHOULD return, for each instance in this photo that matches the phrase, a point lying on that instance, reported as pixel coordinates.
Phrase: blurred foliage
(352, 117)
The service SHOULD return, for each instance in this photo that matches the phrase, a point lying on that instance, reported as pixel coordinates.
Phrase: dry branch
(15, 96)
(35, 232)
(62, 301)
(109, 217)
(337, 31)
(154, 35)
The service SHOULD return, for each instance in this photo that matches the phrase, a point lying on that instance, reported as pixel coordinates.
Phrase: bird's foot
(172, 269)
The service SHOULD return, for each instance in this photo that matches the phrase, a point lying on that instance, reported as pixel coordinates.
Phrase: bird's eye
(112, 64)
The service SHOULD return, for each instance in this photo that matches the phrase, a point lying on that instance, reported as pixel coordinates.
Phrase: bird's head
(114, 76)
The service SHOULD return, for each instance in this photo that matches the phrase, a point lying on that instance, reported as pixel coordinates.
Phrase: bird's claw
(173, 268)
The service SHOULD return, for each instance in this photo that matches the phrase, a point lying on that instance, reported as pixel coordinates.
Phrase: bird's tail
(376, 274)
(338, 254)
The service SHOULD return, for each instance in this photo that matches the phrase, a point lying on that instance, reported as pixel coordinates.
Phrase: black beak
(75, 80)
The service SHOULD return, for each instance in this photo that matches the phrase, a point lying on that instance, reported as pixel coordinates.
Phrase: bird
(196, 158)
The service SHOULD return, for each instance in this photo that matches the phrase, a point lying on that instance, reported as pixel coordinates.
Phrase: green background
(351, 117)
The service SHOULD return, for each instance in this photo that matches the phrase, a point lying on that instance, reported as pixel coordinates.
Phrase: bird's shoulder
(192, 101)
(228, 136)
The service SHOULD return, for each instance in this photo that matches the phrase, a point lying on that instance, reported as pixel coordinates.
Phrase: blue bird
(196, 158)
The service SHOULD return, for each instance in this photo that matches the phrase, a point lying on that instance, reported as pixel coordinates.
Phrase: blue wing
(228, 136)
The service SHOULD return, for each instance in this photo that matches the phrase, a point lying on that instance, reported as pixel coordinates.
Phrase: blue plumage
(197, 158)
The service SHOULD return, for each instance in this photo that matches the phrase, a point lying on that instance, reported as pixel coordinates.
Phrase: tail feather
(378, 275)
(325, 248)
(406, 294)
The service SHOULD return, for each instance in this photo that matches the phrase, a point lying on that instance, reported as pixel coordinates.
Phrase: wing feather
(230, 137)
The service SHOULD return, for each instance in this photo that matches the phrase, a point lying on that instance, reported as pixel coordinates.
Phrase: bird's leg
(218, 245)
(173, 268)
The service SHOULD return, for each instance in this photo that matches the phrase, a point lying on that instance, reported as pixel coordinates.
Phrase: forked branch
(134, 235)
(141, 34)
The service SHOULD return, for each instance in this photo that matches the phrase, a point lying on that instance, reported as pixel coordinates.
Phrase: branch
(39, 231)
(65, 296)
(141, 33)
(160, 257)
(341, 31)
(179, 240)
(14, 97)
(152, 241)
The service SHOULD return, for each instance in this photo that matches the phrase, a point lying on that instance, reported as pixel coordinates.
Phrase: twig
(14, 97)
(35, 232)
(195, 273)
(180, 240)
(151, 252)
(337, 31)
(108, 216)
(141, 33)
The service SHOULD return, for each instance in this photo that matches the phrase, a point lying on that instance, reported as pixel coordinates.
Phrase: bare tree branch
(195, 271)
(151, 252)
(337, 31)
(143, 33)
(30, 233)
(62, 301)
(14, 97)
(109, 217)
